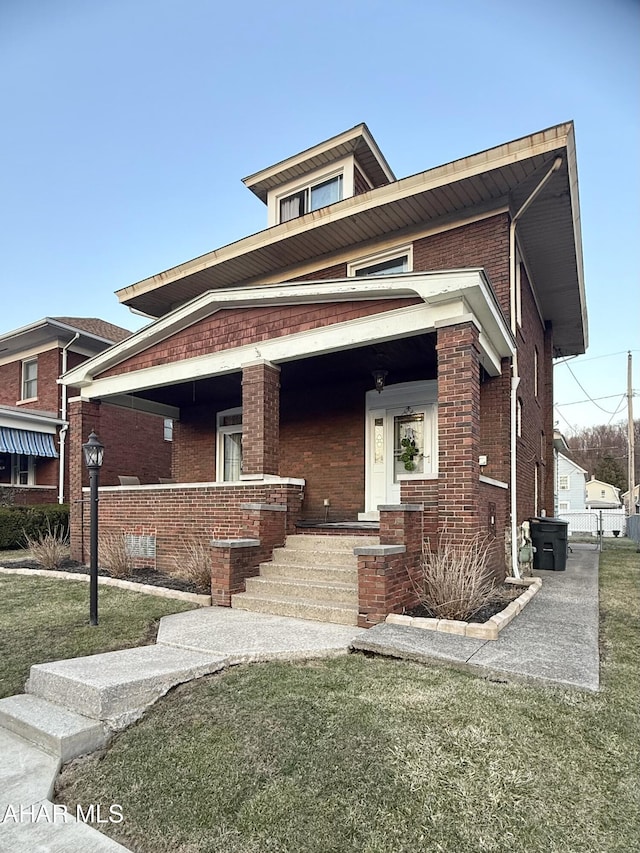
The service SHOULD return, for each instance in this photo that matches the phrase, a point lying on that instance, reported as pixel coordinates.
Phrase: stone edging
(488, 630)
(144, 588)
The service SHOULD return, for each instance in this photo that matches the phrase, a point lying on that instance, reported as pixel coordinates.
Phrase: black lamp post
(93, 455)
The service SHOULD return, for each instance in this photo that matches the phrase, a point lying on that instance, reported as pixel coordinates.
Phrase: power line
(590, 400)
(595, 357)
(584, 391)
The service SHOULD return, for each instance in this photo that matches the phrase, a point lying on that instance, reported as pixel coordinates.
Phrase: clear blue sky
(128, 124)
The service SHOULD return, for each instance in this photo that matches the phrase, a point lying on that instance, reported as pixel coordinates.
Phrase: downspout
(65, 426)
(515, 376)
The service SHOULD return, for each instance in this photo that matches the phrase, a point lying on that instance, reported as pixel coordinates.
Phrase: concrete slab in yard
(413, 644)
(117, 687)
(27, 773)
(241, 637)
(57, 730)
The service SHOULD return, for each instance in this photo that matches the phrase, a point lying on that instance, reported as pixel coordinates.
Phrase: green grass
(382, 756)
(44, 619)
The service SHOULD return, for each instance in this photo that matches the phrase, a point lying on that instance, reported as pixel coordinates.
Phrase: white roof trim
(506, 154)
(33, 421)
(448, 298)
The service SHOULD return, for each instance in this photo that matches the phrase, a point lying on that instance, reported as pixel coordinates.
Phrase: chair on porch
(129, 481)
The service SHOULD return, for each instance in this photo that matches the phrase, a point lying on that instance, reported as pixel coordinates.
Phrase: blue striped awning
(26, 441)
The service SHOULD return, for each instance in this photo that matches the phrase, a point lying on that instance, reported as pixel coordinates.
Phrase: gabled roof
(96, 327)
(572, 463)
(95, 335)
(497, 179)
(357, 141)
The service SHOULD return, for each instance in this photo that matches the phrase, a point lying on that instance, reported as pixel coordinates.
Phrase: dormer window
(311, 197)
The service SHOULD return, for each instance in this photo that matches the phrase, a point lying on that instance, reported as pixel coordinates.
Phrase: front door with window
(401, 440)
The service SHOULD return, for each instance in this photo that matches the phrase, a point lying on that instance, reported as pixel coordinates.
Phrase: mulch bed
(482, 615)
(144, 576)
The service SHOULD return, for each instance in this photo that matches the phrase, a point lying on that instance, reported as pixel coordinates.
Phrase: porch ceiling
(549, 231)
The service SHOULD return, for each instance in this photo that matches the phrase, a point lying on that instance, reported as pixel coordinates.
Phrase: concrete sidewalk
(73, 706)
(553, 641)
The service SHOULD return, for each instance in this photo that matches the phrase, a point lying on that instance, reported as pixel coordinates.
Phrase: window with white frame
(564, 506)
(311, 197)
(394, 261)
(229, 446)
(23, 470)
(564, 482)
(168, 429)
(29, 379)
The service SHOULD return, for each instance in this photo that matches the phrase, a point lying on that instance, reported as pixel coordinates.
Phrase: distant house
(601, 495)
(34, 465)
(571, 485)
(635, 504)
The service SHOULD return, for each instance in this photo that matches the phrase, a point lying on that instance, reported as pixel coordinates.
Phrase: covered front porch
(289, 433)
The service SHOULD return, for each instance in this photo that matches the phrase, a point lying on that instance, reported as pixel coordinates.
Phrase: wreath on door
(409, 452)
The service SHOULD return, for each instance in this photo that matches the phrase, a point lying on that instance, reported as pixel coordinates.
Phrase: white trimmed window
(168, 429)
(563, 482)
(310, 197)
(563, 506)
(394, 261)
(29, 379)
(23, 470)
(229, 446)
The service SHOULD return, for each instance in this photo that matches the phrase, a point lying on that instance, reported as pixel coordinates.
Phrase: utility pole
(630, 436)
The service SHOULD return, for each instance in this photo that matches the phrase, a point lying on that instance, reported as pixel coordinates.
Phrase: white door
(400, 441)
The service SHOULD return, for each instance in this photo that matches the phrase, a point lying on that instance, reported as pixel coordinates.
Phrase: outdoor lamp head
(379, 377)
(93, 451)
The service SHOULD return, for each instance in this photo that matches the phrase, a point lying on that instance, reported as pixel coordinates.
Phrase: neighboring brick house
(33, 405)
(379, 358)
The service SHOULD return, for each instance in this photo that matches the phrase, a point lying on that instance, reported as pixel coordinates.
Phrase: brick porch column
(260, 418)
(84, 416)
(458, 428)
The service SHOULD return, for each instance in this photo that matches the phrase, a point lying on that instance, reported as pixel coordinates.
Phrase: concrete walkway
(72, 707)
(554, 640)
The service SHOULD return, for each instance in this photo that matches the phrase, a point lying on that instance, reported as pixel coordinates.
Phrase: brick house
(34, 465)
(376, 363)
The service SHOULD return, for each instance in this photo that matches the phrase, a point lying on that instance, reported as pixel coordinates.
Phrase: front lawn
(382, 756)
(44, 619)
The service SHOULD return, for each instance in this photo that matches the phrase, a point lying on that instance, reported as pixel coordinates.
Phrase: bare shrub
(50, 548)
(455, 581)
(113, 554)
(194, 563)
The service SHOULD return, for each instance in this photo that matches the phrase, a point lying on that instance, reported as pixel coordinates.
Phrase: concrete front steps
(312, 577)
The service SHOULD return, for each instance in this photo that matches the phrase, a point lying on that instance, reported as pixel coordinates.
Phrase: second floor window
(309, 198)
(29, 379)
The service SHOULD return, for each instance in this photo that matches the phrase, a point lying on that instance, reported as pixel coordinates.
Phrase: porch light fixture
(93, 456)
(379, 377)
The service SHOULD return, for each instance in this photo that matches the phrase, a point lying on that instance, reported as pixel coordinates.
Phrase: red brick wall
(243, 326)
(194, 445)
(534, 446)
(494, 502)
(479, 244)
(322, 440)
(495, 423)
(134, 445)
(48, 389)
(175, 515)
(458, 428)
(260, 418)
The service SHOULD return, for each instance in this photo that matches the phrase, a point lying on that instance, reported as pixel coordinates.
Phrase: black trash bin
(549, 537)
